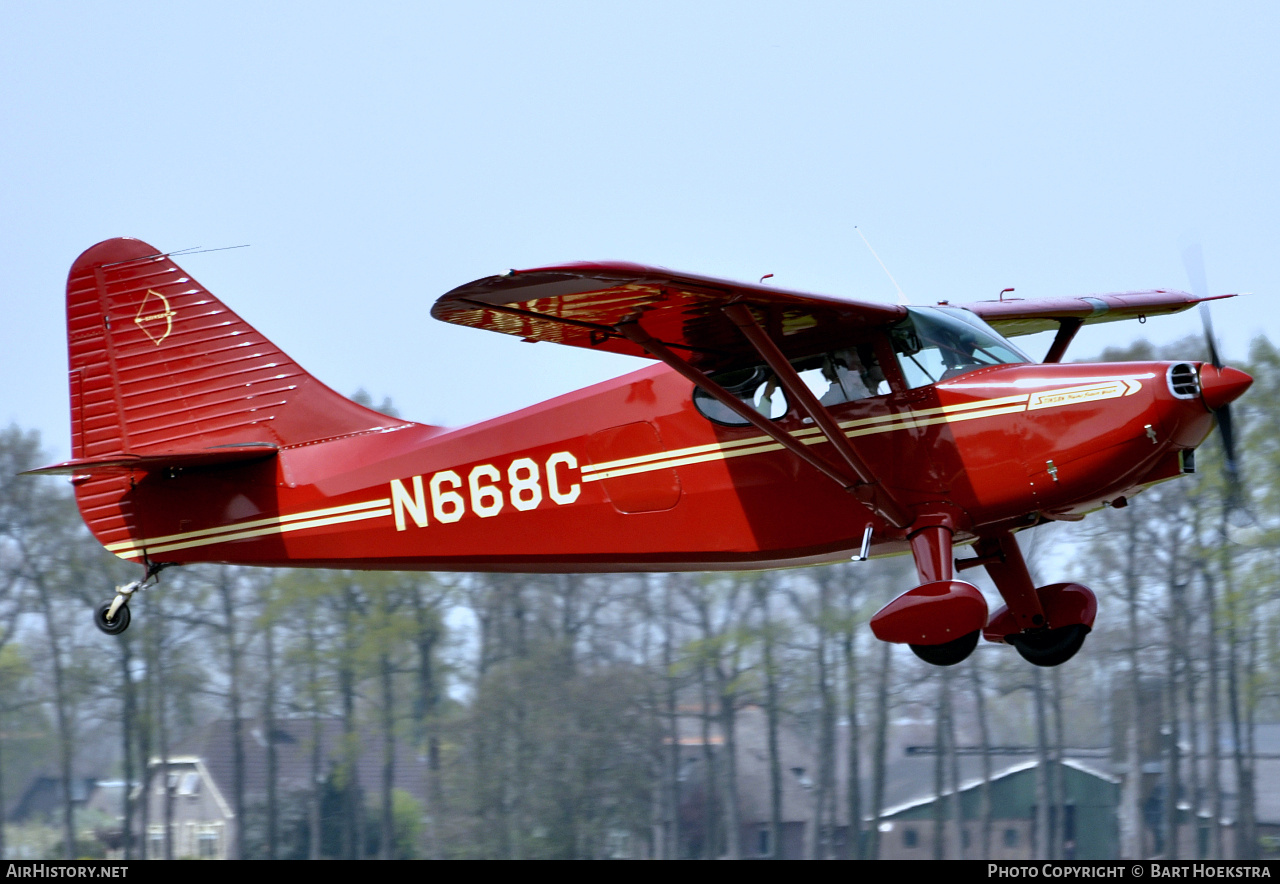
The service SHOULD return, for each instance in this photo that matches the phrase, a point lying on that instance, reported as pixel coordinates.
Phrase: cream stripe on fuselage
(810, 436)
(275, 521)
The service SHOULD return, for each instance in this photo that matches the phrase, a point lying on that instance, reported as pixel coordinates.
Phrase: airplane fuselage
(628, 475)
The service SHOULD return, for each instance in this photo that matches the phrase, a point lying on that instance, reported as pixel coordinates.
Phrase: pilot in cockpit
(850, 376)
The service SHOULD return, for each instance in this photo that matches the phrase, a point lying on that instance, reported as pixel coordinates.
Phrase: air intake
(1184, 382)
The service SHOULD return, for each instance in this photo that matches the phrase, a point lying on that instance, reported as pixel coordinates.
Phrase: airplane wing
(696, 325)
(585, 305)
(1018, 316)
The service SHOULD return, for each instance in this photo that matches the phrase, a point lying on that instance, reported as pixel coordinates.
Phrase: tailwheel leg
(113, 617)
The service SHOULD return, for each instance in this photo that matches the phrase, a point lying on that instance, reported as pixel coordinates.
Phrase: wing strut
(851, 478)
(1067, 329)
(868, 490)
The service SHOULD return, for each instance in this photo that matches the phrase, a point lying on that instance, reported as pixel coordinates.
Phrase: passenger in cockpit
(847, 375)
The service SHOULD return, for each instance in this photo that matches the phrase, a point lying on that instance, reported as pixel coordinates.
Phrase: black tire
(1049, 647)
(115, 626)
(948, 654)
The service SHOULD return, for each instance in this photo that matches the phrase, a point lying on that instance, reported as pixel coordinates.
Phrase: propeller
(1220, 405)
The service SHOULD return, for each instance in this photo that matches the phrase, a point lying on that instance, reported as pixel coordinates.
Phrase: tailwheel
(113, 617)
(950, 653)
(1049, 647)
(112, 622)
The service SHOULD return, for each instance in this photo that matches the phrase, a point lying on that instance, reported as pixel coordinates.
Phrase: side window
(757, 387)
(844, 375)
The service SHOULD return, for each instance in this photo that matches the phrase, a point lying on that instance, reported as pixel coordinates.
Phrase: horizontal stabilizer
(222, 455)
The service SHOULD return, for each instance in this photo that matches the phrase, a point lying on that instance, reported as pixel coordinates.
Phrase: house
(200, 785)
(42, 799)
(202, 819)
(1195, 805)
(906, 826)
(1090, 828)
(97, 806)
(754, 785)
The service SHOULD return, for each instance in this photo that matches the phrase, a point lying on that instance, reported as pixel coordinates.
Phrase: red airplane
(777, 429)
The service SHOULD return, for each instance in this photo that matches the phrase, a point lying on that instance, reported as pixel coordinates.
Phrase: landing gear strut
(942, 618)
(1046, 624)
(113, 617)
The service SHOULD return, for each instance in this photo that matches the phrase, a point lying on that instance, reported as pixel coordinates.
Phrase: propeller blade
(1210, 340)
(1238, 513)
(1226, 428)
(1193, 261)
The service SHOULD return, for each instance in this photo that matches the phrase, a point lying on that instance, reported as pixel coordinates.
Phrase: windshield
(937, 343)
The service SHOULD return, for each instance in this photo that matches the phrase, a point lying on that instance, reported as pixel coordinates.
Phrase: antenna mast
(902, 296)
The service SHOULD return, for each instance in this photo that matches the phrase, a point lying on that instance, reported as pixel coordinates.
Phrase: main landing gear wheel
(950, 653)
(1049, 647)
(118, 622)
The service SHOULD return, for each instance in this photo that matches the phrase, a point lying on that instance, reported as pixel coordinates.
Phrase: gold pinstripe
(810, 436)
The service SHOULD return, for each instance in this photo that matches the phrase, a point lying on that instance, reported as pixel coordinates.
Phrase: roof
(293, 739)
(1002, 773)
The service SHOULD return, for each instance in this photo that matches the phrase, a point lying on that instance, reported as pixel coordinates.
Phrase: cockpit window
(937, 343)
(757, 387)
(843, 375)
(835, 378)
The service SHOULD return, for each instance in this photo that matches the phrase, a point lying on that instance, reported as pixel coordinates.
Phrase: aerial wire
(902, 296)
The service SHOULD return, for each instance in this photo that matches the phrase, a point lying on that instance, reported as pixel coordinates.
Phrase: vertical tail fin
(159, 365)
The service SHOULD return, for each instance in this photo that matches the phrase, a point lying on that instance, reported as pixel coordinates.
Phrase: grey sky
(376, 155)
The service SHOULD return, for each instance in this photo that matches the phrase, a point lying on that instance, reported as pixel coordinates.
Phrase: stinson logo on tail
(155, 316)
